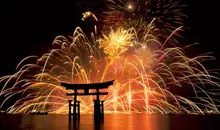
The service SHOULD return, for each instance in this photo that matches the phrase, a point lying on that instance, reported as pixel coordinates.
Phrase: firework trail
(143, 70)
(88, 14)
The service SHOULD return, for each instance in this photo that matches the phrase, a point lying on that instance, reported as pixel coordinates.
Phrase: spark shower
(137, 47)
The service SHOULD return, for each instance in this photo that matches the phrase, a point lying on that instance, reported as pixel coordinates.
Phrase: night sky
(28, 27)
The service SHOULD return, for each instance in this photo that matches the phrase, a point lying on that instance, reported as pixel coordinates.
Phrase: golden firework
(117, 42)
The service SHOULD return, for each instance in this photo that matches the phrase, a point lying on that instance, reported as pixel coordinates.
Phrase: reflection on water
(111, 122)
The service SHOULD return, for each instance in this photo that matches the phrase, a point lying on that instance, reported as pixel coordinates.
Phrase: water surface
(110, 122)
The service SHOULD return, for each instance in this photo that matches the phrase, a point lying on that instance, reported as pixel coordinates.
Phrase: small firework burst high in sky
(167, 14)
(130, 51)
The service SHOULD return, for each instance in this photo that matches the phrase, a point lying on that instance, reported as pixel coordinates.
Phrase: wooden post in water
(78, 112)
(74, 105)
(102, 109)
(97, 110)
(70, 106)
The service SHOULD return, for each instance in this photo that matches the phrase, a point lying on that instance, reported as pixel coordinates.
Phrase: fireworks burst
(144, 72)
(117, 42)
(168, 15)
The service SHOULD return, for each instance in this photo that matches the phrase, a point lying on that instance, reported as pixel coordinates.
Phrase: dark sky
(28, 27)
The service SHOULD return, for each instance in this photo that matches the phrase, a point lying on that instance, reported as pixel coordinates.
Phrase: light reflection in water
(111, 122)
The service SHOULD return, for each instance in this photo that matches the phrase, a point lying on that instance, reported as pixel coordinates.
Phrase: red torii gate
(98, 108)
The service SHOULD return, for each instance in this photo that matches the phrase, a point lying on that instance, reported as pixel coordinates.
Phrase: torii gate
(98, 108)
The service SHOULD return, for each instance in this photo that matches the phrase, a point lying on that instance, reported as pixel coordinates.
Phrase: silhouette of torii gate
(98, 108)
